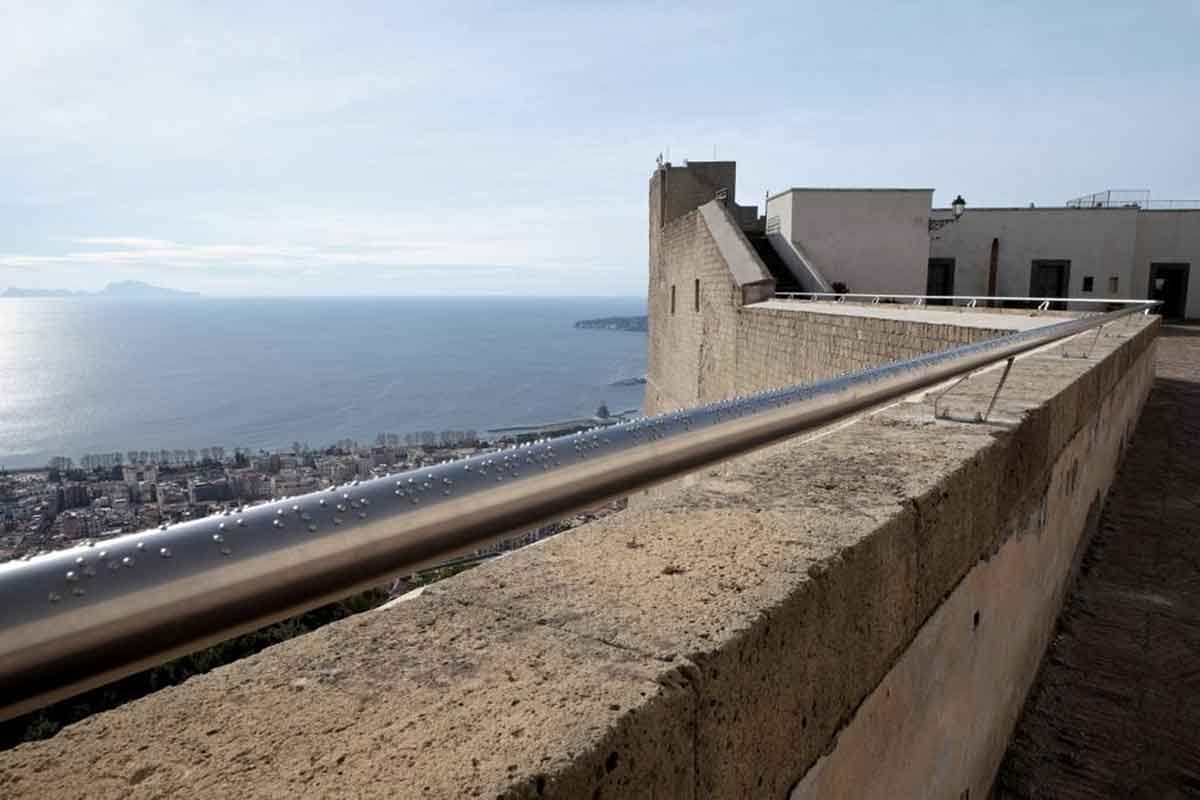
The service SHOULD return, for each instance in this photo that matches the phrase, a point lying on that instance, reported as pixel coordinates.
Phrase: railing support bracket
(944, 413)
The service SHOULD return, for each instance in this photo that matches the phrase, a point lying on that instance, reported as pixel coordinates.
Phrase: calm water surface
(91, 375)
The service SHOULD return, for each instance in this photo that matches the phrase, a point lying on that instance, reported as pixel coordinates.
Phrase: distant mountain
(140, 289)
(635, 324)
(115, 289)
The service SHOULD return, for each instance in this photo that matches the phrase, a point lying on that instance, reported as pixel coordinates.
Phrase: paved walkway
(1115, 712)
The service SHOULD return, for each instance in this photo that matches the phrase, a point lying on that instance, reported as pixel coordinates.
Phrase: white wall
(1169, 236)
(1098, 243)
(873, 240)
(878, 240)
(779, 214)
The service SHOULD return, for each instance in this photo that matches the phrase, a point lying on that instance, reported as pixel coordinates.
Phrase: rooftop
(846, 189)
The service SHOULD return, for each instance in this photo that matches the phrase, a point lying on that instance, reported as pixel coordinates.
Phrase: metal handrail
(78, 618)
(970, 299)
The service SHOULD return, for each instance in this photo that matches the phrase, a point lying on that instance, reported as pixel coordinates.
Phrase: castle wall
(701, 273)
(780, 347)
(729, 342)
(692, 185)
(939, 722)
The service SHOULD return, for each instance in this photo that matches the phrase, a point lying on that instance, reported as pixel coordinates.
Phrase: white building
(1099, 251)
(1106, 246)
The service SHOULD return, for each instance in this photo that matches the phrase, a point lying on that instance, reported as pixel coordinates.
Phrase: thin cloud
(124, 241)
(303, 260)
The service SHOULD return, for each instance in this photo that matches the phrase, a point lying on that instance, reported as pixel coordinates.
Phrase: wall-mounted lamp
(959, 206)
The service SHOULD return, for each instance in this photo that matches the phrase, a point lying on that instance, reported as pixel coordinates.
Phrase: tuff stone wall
(684, 344)
(729, 348)
(780, 347)
(692, 311)
(730, 342)
(690, 186)
(715, 643)
(939, 722)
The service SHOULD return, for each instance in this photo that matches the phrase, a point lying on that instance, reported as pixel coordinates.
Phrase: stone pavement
(987, 318)
(1115, 711)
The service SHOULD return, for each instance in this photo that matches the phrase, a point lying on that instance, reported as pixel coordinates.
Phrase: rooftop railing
(78, 618)
(969, 301)
(1130, 198)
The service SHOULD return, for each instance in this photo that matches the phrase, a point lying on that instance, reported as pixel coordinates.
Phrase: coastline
(256, 373)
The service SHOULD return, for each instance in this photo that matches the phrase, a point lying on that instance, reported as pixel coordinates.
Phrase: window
(1088, 283)
(696, 296)
(672, 299)
(1112, 284)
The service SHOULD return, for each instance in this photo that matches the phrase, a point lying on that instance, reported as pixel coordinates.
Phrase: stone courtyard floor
(1115, 712)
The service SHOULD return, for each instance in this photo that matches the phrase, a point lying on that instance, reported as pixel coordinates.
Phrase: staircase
(785, 281)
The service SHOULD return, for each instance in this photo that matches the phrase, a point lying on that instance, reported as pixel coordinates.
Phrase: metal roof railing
(81, 617)
(1112, 198)
(1130, 198)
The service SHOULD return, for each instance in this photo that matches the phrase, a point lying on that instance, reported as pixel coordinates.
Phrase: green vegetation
(634, 324)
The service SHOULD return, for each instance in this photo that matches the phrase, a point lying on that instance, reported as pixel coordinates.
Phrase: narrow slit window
(696, 295)
(1113, 284)
(672, 299)
(1088, 283)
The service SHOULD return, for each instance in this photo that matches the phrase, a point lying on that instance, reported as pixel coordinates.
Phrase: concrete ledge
(711, 643)
(433, 698)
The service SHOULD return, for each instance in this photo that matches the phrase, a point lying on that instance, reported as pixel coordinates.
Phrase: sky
(389, 148)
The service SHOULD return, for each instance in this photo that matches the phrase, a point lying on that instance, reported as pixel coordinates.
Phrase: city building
(209, 491)
(134, 474)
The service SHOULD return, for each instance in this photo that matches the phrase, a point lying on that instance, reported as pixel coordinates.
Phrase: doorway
(1169, 283)
(940, 280)
(1050, 278)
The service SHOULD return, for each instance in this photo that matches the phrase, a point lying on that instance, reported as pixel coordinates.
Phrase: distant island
(114, 289)
(634, 324)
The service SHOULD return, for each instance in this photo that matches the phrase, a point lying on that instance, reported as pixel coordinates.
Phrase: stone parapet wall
(715, 642)
(939, 722)
(777, 347)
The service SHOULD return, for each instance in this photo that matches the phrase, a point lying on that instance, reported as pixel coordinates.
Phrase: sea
(91, 375)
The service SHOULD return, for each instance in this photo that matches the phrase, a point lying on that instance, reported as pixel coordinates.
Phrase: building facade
(717, 329)
(1098, 252)
(892, 241)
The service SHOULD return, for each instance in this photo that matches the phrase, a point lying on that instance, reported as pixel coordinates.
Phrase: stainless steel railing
(77, 618)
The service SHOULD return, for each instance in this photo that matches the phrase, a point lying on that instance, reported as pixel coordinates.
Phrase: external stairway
(785, 281)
